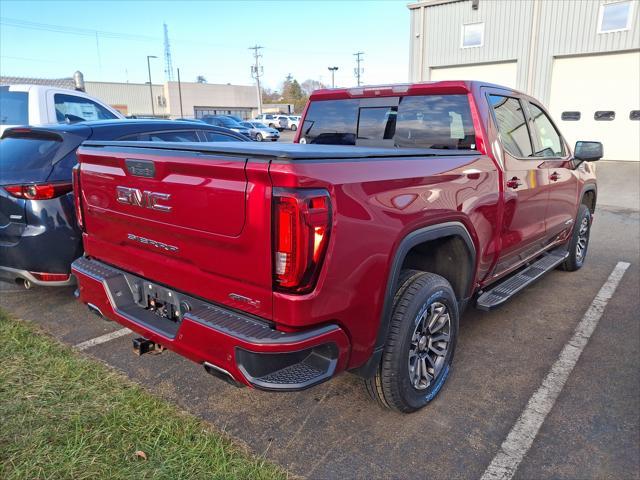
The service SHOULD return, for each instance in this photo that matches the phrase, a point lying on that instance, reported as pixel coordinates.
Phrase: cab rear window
(424, 121)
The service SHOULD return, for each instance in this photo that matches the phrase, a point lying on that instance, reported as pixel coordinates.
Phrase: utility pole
(358, 71)
(180, 93)
(256, 72)
(153, 110)
(333, 77)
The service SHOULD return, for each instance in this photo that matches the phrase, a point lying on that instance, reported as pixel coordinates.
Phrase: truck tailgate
(181, 218)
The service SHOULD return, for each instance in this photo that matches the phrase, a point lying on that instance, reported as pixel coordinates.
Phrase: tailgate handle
(141, 168)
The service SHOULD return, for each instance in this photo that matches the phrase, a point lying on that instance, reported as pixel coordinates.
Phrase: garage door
(607, 84)
(498, 73)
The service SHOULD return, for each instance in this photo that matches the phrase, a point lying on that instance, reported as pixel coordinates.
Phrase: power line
(25, 24)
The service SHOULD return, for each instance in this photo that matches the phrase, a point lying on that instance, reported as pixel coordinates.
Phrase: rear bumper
(13, 274)
(247, 349)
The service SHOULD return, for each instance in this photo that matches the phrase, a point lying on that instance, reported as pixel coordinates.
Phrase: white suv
(39, 105)
(268, 120)
(294, 122)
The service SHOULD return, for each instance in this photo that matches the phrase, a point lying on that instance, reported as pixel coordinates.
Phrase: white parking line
(102, 339)
(523, 433)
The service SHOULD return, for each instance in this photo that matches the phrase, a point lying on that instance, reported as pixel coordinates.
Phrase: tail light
(302, 223)
(50, 277)
(39, 191)
(77, 197)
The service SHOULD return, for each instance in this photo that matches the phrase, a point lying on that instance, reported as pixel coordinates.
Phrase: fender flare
(432, 232)
(589, 187)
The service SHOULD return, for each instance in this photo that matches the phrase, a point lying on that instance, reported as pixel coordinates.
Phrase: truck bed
(288, 151)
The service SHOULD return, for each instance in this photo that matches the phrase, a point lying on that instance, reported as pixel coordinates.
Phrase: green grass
(63, 415)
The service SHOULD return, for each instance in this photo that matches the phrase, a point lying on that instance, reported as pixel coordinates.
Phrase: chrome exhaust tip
(221, 373)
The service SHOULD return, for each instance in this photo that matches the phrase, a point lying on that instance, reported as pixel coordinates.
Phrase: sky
(109, 41)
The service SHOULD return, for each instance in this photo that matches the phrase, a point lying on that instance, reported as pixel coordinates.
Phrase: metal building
(581, 58)
(189, 100)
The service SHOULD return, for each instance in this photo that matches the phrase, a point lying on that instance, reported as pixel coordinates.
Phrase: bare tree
(309, 85)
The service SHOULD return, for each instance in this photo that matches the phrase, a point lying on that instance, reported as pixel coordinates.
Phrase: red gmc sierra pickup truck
(279, 266)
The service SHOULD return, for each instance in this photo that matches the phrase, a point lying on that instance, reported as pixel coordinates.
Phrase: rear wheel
(419, 349)
(258, 137)
(293, 128)
(579, 240)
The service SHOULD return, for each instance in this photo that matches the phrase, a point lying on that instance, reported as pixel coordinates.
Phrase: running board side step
(506, 289)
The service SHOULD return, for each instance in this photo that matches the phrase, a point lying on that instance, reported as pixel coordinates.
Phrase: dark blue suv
(39, 237)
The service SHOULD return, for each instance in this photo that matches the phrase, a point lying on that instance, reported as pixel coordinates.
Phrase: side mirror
(588, 151)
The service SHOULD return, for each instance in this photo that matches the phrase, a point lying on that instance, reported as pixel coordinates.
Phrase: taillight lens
(51, 277)
(77, 198)
(302, 223)
(39, 191)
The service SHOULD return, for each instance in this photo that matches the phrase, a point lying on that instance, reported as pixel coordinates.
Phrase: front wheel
(419, 349)
(579, 240)
(258, 137)
(293, 128)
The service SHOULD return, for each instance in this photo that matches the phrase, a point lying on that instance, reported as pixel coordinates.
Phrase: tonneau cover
(288, 151)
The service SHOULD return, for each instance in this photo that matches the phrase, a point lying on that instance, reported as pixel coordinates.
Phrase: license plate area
(159, 300)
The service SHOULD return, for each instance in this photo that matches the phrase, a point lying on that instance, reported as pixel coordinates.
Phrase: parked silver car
(260, 132)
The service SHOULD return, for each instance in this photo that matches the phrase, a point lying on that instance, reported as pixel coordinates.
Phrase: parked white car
(40, 105)
(268, 120)
(294, 122)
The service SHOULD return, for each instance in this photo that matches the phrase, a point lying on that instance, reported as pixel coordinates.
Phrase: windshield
(14, 107)
(423, 121)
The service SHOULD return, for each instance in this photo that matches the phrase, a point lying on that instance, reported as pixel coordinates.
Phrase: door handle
(554, 177)
(514, 183)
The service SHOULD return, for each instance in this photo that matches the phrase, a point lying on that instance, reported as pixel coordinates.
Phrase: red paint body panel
(202, 344)
(221, 222)
(220, 239)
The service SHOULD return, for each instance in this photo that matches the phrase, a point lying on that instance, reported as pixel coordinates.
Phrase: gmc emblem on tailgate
(146, 199)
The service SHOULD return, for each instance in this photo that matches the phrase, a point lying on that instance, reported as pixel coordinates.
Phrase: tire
(258, 137)
(271, 125)
(420, 299)
(579, 243)
(293, 128)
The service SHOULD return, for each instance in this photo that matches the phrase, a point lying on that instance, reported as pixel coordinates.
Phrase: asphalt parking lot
(334, 431)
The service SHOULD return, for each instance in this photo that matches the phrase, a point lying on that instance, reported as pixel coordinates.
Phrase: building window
(570, 116)
(615, 16)
(472, 35)
(634, 115)
(604, 115)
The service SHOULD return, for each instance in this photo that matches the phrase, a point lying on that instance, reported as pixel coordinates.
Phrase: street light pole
(153, 110)
(333, 78)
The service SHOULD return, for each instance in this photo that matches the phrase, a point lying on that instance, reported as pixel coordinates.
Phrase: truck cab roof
(419, 88)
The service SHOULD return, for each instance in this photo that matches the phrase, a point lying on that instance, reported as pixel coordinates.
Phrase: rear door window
(422, 121)
(14, 107)
(512, 125)
(79, 109)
